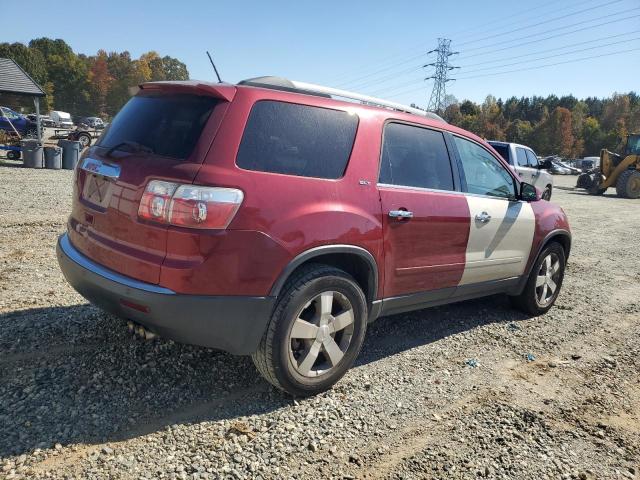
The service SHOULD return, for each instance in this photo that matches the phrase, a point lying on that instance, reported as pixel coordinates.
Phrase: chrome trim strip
(453, 192)
(74, 255)
(93, 165)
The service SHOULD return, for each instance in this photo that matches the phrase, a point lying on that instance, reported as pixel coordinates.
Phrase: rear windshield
(297, 140)
(503, 150)
(167, 125)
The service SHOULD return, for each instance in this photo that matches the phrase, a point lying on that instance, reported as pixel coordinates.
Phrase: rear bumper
(231, 323)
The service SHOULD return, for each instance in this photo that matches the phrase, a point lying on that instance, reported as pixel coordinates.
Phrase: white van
(61, 119)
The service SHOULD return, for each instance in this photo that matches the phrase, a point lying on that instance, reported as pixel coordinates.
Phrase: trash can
(53, 158)
(70, 153)
(32, 153)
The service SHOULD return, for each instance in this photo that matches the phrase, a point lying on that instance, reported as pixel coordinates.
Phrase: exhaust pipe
(140, 331)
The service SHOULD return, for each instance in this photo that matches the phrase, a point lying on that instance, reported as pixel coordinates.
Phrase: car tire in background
(546, 195)
(84, 139)
(315, 332)
(544, 282)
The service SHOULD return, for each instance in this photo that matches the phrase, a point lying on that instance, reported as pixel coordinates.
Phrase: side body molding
(328, 250)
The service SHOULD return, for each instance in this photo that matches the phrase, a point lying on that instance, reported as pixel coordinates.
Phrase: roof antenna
(214, 67)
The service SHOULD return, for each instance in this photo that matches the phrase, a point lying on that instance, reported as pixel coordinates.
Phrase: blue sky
(373, 47)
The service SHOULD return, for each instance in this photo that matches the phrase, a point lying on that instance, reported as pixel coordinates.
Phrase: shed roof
(13, 79)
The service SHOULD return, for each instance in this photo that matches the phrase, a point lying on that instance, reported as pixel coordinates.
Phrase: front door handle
(400, 214)
(483, 217)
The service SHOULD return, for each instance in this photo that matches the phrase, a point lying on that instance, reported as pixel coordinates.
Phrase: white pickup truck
(525, 163)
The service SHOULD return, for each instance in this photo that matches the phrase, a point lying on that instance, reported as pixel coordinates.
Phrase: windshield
(168, 125)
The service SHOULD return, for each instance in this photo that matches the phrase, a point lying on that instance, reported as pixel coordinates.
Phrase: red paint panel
(223, 262)
(549, 217)
(426, 252)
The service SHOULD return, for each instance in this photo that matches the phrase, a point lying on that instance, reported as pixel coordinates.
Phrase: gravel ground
(473, 390)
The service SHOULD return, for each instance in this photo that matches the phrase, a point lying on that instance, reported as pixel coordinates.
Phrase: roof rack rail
(279, 83)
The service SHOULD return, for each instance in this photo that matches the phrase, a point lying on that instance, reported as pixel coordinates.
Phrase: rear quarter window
(169, 125)
(299, 140)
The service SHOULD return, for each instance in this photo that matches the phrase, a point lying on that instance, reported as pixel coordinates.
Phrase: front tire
(315, 332)
(544, 283)
(546, 195)
(628, 184)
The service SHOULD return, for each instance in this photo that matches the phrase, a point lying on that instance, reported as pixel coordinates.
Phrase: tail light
(189, 206)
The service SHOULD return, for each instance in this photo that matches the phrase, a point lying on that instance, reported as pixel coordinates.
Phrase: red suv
(271, 218)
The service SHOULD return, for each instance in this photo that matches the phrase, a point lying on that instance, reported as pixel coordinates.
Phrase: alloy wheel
(547, 279)
(321, 334)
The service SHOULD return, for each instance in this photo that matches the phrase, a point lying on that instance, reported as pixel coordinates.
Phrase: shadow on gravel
(76, 375)
(390, 335)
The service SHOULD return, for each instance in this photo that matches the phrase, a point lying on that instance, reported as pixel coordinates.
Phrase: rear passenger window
(522, 156)
(415, 157)
(297, 140)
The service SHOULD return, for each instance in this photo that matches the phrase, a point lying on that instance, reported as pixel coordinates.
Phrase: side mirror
(528, 192)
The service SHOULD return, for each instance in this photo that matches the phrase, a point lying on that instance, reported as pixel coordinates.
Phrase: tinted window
(297, 140)
(484, 174)
(503, 150)
(415, 157)
(522, 156)
(532, 160)
(170, 125)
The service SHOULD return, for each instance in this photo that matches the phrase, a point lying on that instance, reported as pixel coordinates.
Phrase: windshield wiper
(137, 147)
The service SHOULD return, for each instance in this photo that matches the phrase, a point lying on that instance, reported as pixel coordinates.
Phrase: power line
(527, 55)
(408, 59)
(554, 36)
(551, 49)
(552, 56)
(544, 22)
(358, 79)
(619, 52)
(387, 91)
(469, 33)
(551, 64)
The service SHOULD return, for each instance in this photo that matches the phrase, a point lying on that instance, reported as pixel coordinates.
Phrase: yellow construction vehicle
(620, 171)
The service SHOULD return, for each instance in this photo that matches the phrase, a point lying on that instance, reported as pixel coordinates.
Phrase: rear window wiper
(137, 147)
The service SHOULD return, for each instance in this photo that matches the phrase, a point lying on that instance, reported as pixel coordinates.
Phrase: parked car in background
(526, 164)
(587, 163)
(45, 120)
(95, 123)
(270, 219)
(61, 119)
(559, 167)
(11, 121)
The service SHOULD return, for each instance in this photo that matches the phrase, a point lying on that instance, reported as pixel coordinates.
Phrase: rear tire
(544, 283)
(13, 155)
(628, 184)
(546, 195)
(315, 332)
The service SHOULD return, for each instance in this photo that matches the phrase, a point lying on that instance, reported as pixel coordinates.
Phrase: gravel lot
(473, 390)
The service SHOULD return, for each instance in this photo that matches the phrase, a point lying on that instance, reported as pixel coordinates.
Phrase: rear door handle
(483, 217)
(400, 214)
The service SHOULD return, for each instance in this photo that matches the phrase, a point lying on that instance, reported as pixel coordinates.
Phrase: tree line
(552, 125)
(86, 85)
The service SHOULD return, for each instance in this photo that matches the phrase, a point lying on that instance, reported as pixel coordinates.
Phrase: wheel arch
(354, 260)
(561, 236)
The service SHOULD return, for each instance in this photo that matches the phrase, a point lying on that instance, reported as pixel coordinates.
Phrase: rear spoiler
(223, 91)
